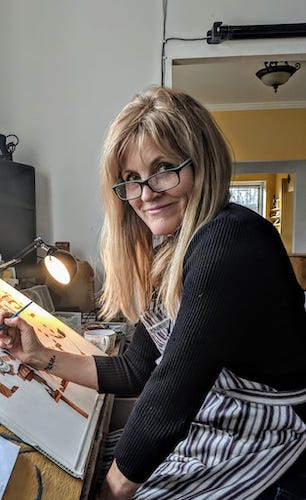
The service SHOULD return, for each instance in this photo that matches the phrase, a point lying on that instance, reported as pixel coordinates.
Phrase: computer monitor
(17, 209)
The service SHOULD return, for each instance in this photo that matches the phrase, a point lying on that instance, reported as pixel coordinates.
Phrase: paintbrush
(16, 314)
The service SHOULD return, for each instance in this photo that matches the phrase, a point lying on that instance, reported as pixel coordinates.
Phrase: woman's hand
(20, 339)
(116, 486)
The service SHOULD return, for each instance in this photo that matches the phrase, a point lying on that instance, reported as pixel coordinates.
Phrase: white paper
(8, 456)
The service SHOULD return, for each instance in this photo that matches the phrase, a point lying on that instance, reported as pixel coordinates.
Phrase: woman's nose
(147, 193)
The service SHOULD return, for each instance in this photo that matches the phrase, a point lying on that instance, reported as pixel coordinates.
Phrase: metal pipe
(220, 33)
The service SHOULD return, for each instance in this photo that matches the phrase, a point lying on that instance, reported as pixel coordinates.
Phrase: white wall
(68, 67)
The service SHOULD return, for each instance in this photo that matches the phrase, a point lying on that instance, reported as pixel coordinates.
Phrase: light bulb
(57, 269)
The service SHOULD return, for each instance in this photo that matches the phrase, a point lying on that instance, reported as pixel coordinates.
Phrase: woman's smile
(157, 209)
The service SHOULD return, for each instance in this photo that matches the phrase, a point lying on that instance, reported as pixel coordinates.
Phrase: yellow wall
(263, 135)
(274, 134)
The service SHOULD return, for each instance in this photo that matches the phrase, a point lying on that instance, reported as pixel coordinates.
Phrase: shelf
(276, 215)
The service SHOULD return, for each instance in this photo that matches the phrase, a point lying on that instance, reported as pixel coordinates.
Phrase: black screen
(17, 209)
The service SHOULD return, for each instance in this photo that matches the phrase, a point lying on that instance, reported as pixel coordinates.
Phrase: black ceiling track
(220, 32)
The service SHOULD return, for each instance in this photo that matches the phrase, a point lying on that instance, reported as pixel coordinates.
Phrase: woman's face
(161, 212)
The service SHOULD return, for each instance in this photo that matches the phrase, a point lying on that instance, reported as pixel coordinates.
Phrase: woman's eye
(131, 177)
(164, 166)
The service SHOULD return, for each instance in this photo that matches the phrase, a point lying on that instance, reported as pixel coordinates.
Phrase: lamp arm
(9, 263)
(37, 243)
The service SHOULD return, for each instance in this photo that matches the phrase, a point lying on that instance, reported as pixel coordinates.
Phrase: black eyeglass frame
(146, 182)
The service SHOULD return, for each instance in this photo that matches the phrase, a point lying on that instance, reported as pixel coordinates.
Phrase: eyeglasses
(158, 183)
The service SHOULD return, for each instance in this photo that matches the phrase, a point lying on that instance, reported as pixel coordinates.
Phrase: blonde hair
(177, 124)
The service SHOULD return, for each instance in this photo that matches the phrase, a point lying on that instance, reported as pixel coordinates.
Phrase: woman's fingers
(10, 336)
(7, 341)
(3, 315)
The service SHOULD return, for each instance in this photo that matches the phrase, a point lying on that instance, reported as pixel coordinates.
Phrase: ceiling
(231, 82)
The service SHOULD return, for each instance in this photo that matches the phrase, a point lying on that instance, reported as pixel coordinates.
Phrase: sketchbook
(56, 417)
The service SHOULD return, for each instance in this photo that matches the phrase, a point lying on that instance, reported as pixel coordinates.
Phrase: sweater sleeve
(127, 374)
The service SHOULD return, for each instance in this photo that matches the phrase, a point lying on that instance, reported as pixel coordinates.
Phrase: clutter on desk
(9, 274)
(103, 338)
(71, 318)
(123, 329)
(40, 294)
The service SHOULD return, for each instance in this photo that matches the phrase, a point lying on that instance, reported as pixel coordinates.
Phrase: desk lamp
(60, 264)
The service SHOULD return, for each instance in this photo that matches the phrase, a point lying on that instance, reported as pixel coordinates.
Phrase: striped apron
(244, 437)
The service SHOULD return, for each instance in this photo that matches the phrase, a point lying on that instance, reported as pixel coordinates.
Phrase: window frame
(262, 190)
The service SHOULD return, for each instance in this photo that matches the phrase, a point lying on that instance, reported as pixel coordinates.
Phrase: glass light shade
(61, 266)
(275, 73)
(276, 78)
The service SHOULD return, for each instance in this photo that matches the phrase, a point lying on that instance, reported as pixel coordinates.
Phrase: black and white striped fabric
(244, 437)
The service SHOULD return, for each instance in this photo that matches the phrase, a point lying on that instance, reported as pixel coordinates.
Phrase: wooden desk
(35, 476)
(298, 261)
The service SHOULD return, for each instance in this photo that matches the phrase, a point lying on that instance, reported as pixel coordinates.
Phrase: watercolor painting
(57, 417)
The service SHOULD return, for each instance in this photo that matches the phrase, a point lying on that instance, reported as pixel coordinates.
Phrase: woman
(218, 354)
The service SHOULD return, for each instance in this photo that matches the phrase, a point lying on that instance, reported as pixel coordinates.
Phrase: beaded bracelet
(50, 364)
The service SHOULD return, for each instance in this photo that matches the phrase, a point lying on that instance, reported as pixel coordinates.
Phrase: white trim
(236, 106)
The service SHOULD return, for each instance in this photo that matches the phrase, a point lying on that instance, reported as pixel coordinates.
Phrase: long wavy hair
(179, 125)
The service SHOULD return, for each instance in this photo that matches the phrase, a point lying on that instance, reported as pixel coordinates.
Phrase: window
(251, 194)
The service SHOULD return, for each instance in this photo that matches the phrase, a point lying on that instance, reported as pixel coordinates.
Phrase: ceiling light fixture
(276, 73)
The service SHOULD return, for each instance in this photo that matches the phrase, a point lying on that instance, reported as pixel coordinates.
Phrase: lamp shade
(61, 265)
(275, 73)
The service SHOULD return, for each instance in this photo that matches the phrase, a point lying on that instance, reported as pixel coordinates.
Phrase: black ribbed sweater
(241, 308)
